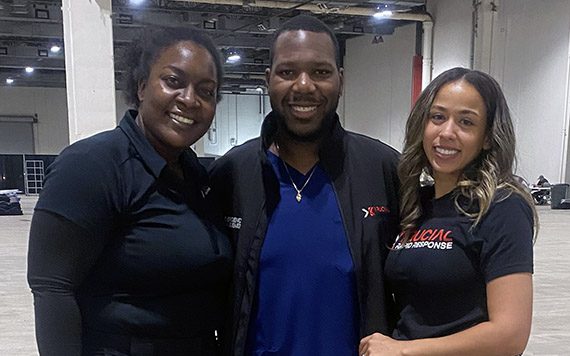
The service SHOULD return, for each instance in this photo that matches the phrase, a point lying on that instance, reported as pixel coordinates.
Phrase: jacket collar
(331, 152)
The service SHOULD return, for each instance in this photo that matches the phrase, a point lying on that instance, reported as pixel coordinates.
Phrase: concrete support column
(484, 25)
(565, 161)
(88, 38)
(427, 53)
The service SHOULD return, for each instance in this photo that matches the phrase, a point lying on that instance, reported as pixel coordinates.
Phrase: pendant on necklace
(298, 197)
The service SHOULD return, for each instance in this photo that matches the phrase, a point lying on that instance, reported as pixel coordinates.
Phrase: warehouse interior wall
(50, 106)
(529, 57)
(378, 85)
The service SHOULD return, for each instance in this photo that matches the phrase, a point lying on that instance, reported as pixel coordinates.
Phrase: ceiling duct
(19, 8)
(315, 8)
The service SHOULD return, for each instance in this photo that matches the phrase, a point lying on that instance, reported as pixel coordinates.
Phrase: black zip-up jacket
(363, 173)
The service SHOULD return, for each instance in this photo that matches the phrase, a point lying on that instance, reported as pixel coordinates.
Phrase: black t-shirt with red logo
(439, 277)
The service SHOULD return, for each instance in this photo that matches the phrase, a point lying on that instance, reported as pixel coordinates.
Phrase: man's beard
(309, 137)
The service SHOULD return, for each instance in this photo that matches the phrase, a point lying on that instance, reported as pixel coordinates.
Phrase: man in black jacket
(310, 208)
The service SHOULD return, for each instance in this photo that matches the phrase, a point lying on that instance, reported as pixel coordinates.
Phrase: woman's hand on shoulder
(381, 345)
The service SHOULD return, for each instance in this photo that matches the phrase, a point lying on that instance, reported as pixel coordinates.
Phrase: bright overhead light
(382, 14)
(9, 80)
(29, 70)
(233, 58)
(55, 49)
(137, 2)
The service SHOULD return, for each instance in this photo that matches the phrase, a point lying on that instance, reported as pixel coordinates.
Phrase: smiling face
(455, 133)
(178, 100)
(304, 83)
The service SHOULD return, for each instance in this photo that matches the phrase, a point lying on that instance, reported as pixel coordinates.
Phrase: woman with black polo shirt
(123, 258)
(461, 270)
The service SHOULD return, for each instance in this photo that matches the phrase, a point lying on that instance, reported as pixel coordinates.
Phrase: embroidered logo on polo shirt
(233, 222)
(375, 209)
(205, 190)
(436, 239)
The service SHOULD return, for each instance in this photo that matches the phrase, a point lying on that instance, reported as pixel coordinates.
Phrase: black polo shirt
(163, 269)
(439, 277)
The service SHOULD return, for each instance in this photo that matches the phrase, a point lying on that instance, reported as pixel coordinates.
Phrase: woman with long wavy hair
(461, 270)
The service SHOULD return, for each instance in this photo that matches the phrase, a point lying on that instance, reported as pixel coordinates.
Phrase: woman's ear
(487, 143)
(140, 90)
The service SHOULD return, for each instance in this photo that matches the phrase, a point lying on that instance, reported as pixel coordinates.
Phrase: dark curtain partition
(12, 172)
(12, 169)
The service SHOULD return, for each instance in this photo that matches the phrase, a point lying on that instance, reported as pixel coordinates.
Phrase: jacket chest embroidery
(375, 209)
(233, 222)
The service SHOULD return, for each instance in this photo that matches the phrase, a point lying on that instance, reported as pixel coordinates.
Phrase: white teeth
(304, 108)
(181, 119)
(445, 151)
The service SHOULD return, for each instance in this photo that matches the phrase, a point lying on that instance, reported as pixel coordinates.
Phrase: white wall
(378, 85)
(120, 105)
(16, 137)
(238, 119)
(51, 131)
(451, 34)
(532, 60)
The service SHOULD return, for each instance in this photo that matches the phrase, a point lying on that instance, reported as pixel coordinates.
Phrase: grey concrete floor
(551, 321)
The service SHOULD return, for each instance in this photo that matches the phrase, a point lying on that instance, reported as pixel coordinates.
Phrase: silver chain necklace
(299, 196)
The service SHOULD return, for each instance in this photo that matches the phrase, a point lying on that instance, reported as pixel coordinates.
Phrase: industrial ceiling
(30, 28)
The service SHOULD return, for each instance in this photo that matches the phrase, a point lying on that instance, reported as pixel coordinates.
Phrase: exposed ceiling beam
(316, 9)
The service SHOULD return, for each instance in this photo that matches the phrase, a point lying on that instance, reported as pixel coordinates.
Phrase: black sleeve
(60, 255)
(507, 234)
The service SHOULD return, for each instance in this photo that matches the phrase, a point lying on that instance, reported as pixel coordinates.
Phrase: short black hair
(306, 23)
(145, 50)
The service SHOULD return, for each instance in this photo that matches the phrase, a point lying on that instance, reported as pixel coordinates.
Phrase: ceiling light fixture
(232, 55)
(9, 81)
(233, 58)
(209, 25)
(55, 49)
(29, 70)
(358, 29)
(383, 12)
(125, 19)
(42, 14)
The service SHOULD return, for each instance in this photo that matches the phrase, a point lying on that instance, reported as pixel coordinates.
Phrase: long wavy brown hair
(491, 170)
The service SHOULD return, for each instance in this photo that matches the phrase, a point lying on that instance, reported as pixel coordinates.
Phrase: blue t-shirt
(306, 295)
